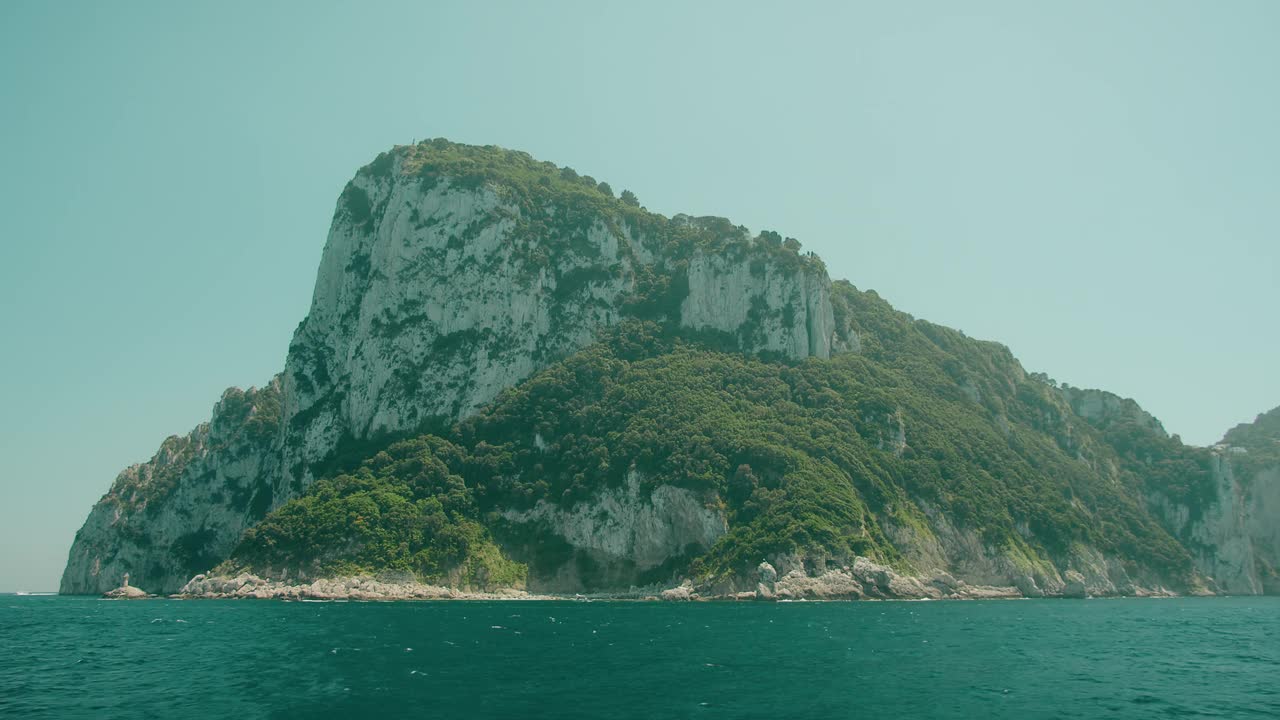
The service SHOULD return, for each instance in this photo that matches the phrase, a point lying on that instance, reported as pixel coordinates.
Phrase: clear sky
(1094, 184)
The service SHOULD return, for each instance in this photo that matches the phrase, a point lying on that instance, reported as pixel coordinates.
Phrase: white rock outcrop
(628, 527)
(790, 312)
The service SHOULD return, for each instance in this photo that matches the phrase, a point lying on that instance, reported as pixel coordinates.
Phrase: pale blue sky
(1095, 184)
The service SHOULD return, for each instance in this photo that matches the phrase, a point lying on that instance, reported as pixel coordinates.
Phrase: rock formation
(179, 513)
(434, 294)
(452, 274)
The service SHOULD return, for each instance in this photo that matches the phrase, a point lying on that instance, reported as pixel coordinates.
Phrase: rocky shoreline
(863, 580)
(360, 587)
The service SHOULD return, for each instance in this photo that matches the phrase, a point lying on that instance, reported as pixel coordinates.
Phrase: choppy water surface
(81, 657)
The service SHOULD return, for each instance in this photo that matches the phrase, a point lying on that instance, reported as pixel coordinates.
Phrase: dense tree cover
(809, 449)
(402, 510)
(859, 454)
(855, 455)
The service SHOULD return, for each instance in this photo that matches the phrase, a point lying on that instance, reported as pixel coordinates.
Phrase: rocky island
(513, 383)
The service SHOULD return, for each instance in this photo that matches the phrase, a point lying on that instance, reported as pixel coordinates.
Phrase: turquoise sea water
(81, 657)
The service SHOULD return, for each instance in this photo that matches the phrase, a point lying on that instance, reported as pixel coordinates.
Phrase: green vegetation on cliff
(556, 207)
(1260, 441)
(862, 454)
(912, 444)
(402, 510)
(244, 417)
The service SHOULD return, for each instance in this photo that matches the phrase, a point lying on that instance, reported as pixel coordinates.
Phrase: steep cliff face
(1228, 536)
(436, 292)
(1221, 503)
(593, 396)
(1234, 531)
(442, 283)
(1264, 527)
(787, 313)
(182, 511)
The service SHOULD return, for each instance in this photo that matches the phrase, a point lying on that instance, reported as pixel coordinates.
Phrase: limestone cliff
(614, 397)
(1234, 531)
(434, 294)
(439, 287)
(1221, 503)
(179, 513)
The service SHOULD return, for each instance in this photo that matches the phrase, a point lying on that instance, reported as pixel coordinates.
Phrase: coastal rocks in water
(882, 582)
(768, 575)
(1075, 587)
(126, 592)
(866, 579)
(816, 579)
(833, 584)
(682, 592)
(342, 588)
(863, 579)
(1027, 586)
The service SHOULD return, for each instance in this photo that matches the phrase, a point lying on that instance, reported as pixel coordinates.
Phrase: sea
(79, 657)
